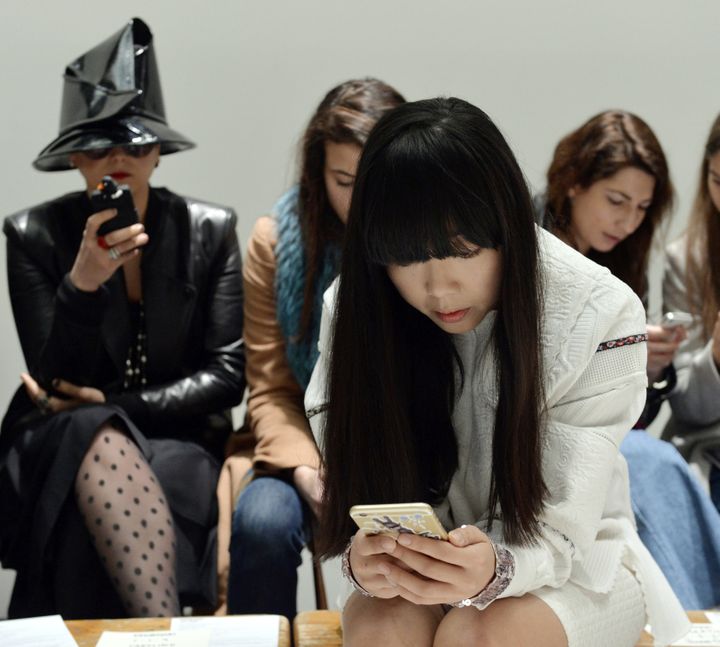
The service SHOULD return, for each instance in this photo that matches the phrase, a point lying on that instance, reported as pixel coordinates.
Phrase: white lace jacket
(595, 392)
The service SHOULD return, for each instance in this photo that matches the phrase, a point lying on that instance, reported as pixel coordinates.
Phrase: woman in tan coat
(292, 257)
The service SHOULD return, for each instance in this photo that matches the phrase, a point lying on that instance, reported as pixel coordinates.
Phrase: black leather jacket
(192, 294)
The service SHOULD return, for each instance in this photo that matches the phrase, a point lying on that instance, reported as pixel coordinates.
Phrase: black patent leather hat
(112, 97)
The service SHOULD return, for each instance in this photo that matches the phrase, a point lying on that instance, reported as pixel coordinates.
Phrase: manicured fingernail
(404, 540)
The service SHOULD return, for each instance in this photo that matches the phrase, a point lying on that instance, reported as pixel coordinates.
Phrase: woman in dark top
(109, 450)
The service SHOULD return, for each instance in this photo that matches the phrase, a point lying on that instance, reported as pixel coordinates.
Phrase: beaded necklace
(136, 361)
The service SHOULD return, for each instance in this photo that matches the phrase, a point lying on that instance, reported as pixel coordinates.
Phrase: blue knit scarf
(290, 285)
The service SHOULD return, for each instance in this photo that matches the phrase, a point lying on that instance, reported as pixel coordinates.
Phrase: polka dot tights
(124, 509)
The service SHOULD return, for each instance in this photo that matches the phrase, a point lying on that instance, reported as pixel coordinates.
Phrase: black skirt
(44, 538)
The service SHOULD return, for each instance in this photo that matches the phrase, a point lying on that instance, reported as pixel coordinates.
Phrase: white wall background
(241, 78)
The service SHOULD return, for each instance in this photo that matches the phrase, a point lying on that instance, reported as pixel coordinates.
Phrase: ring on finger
(43, 403)
(114, 253)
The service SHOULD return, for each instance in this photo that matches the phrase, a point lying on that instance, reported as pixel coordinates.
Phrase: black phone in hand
(110, 195)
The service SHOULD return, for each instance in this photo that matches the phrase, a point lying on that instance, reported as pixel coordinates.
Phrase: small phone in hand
(110, 195)
(676, 320)
(395, 518)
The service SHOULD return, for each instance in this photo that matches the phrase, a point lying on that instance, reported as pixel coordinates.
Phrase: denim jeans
(270, 527)
(676, 519)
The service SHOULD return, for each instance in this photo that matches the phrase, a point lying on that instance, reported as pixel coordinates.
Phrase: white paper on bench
(234, 631)
(713, 616)
(44, 631)
(154, 639)
(705, 634)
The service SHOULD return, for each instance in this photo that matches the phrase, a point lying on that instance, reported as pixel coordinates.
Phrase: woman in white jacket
(479, 364)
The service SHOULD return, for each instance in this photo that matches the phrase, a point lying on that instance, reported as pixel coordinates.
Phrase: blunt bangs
(419, 206)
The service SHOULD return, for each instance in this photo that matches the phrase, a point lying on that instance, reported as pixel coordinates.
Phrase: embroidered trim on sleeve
(623, 341)
(309, 413)
(563, 536)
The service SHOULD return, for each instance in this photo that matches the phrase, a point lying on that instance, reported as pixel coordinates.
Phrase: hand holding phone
(664, 341)
(676, 319)
(410, 562)
(370, 558)
(97, 259)
(398, 518)
(110, 195)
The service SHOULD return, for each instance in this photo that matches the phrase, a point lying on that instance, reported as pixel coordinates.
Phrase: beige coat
(277, 434)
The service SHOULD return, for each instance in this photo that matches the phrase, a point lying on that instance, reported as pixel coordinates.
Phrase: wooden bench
(88, 632)
(317, 629)
(322, 629)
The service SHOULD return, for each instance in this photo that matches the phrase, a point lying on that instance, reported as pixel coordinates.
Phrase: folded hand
(422, 570)
(76, 395)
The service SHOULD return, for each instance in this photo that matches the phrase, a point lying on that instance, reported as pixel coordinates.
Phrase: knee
(267, 515)
(476, 638)
(104, 453)
(669, 455)
(380, 631)
(106, 441)
(375, 621)
(377, 624)
(469, 627)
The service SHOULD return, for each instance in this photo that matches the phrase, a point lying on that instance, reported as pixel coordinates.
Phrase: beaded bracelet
(347, 572)
(504, 572)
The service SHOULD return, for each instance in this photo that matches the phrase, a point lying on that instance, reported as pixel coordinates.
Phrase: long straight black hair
(433, 174)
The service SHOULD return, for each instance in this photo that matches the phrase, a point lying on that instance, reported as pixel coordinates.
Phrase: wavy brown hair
(433, 172)
(602, 146)
(702, 278)
(346, 115)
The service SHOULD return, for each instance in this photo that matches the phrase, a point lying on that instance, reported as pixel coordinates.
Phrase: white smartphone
(676, 319)
(395, 518)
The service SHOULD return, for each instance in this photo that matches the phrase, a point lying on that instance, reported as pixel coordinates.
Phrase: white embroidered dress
(588, 561)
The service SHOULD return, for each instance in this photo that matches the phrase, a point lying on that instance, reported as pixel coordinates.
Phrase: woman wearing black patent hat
(132, 339)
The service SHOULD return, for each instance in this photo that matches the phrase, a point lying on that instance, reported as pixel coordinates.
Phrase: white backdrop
(241, 77)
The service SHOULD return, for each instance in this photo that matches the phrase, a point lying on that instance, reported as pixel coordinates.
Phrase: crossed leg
(128, 518)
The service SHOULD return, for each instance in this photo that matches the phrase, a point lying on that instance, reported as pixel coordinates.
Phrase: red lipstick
(119, 175)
